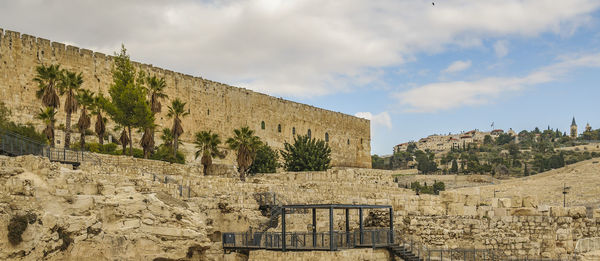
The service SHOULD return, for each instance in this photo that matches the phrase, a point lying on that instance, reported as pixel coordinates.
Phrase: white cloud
(501, 48)
(298, 48)
(458, 66)
(448, 95)
(381, 119)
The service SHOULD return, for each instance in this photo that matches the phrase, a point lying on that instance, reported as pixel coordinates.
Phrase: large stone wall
(212, 105)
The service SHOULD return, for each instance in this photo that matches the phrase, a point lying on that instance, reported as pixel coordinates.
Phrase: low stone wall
(363, 254)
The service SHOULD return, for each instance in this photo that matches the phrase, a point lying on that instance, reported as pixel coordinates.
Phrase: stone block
(597, 213)
(448, 196)
(524, 212)
(456, 209)
(471, 200)
(516, 201)
(556, 211)
(577, 212)
(530, 202)
(504, 203)
(470, 211)
(500, 212)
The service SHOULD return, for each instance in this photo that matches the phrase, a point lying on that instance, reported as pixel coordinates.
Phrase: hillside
(583, 178)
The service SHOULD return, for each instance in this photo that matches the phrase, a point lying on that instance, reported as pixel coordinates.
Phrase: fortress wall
(212, 105)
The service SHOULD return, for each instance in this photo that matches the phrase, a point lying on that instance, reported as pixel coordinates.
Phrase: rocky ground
(78, 214)
(583, 179)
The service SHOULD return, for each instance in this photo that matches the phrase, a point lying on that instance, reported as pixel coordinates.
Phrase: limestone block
(557, 211)
(456, 209)
(597, 213)
(504, 203)
(524, 212)
(471, 200)
(470, 210)
(495, 202)
(500, 212)
(516, 201)
(448, 196)
(577, 212)
(483, 210)
(530, 201)
(543, 208)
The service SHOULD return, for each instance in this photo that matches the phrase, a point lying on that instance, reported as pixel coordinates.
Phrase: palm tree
(124, 139)
(207, 144)
(48, 117)
(246, 144)
(167, 137)
(86, 99)
(147, 141)
(177, 111)
(48, 77)
(97, 108)
(70, 85)
(155, 89)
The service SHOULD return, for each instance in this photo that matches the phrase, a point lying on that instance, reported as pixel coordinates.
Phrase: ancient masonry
(212, 105)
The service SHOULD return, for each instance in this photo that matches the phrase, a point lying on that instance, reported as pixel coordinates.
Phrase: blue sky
(411, 67)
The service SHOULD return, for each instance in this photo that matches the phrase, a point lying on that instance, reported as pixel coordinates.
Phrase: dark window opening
(309, 133)
(294, 131)
(326, 137)
(348, 142)
(278, 127)
(208, 111)
(262, 125)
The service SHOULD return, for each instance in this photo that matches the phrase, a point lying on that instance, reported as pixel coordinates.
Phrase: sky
(413, 67)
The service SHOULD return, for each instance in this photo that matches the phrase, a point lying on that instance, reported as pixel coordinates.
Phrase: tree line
(133, 101)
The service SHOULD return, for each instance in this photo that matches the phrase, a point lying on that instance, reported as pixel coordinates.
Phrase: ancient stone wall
(212, 105)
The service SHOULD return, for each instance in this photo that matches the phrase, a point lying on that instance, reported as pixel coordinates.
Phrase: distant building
(573, 129)
(588, 127)
(441, 143)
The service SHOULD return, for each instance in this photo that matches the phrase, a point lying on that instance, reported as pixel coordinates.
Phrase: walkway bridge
(14, 144)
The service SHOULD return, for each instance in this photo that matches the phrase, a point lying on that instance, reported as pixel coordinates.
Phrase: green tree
(156, 90)
(48, 79)
(454, 168)
(266, 160)
(86, 99)
(97, 107)
(48, 116)
(177, 111)
(525, 170)
(207, 144)
(245, 143)
(487, 140)
(377, 162)
(306, 154)
(69, 86)
(128, 106)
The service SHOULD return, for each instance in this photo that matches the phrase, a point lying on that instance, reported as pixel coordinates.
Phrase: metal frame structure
(329, 241)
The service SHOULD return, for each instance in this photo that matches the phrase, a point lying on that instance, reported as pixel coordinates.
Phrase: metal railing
(15, 144)
(307, 240)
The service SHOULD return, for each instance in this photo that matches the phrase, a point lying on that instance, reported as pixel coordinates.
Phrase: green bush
(266, 160)
(137, 153)
(165, 153)
(424, 189)
(306, 154)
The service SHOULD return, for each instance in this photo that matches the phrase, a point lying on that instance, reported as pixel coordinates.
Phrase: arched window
(326, 137)
(278, 127)
(293, 130)
(348, 142)
(309, 133)
(262, 125)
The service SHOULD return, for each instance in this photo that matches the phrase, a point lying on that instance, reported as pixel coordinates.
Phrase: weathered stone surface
(218, 106)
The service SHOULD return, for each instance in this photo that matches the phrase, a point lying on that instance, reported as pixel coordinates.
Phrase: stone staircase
(403, 252)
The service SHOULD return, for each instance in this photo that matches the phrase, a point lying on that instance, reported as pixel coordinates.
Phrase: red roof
(465, 137)
(498, 130)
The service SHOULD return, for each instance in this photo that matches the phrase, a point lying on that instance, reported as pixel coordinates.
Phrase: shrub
(306, 154)
(266, 160)
(165, 153)
(17, 225)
